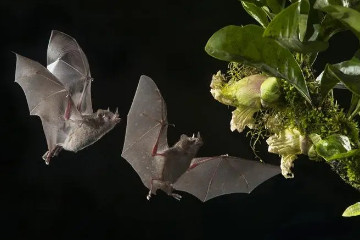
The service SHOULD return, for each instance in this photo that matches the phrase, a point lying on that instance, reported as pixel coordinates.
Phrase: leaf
(270, 7)
(246, 45)
(332, 75)
(256, 12)
(328, 79)
(334, 146)
(354, 106)
(276, 5)
(342, 11)
(259, 3)
(352, 211)
(351, 153)
(347, 72)
(329, 27)
(352, 66)
(289, 28)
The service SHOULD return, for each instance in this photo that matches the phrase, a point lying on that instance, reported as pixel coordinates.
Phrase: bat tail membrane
(216, 176)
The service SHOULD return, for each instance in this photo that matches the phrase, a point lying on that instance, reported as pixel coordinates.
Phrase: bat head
(107, 118)
(192, 142)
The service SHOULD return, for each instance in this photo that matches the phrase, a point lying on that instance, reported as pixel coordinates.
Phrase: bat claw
(176, 196)
(148, 196)
(46, 157)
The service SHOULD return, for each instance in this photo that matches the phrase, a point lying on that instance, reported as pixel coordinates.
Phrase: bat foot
(148, 196)
(176, 196)
(49, 154)
(46, 157)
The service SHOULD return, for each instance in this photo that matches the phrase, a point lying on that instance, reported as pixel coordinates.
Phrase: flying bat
(61, 96)
(176, 168)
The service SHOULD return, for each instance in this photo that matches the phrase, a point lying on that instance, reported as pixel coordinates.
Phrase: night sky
(95, 194)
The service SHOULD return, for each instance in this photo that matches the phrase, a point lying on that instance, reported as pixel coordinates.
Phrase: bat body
(61, 96)
(176, 168)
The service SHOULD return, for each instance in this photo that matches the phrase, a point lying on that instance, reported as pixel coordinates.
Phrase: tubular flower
(242, 117)
(269, 91)
(288, 144)
(243, 94)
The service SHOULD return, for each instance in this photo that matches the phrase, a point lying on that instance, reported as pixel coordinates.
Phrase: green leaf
(332, 75)
(259, 3)
(276, 5)
(328, 79)
(354, 106)
(352, 66)
(348, 154)
(329, 27)
(333, 147)
(342, 11)
(246, 45)
(270, 7)
(289, 28)
(352, 211)
(347, 72)
(258, 13)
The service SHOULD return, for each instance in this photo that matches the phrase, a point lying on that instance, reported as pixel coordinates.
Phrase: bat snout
(116, 117)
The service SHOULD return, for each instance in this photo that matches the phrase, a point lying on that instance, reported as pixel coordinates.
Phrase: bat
(61, 96)
(176, 168)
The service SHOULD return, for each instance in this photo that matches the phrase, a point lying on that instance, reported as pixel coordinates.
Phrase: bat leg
(156, 184)
(49, 154)
(57, 150)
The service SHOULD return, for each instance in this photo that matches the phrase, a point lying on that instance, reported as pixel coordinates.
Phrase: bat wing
(67, 61)
(46, 98)
(211, 177)
(146, 128)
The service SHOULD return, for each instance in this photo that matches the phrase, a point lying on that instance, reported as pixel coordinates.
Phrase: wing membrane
(221, 175)
(67, 61)
(146, 126)
(46, 98)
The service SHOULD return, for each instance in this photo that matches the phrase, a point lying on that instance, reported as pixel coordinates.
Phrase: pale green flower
(269, 92)
(288, 144)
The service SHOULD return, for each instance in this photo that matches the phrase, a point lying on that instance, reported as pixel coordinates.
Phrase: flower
(243, 94)
(288, 144)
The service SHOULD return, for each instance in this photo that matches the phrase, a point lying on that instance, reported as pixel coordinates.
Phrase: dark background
(95, 194)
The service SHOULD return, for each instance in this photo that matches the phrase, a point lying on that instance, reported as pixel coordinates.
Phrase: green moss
(237, 71)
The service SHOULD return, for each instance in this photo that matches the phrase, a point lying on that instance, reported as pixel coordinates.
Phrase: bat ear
(199, 139)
